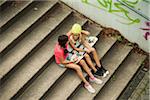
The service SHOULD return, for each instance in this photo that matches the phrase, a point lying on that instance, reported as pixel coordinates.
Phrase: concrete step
(141, 92)
(48, 77)
(2, 2)
(122, 76)
(127, 92)
(33, 41)
(12, 10)
(28, 70)
(23, 26)
(70, 81)
(24, 76)
(93, 28)
(111, 61)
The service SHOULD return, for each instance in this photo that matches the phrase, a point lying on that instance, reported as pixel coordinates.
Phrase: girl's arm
(84, 35)
(73, 46)
(69, 33)
(65, 61)
(85, 32)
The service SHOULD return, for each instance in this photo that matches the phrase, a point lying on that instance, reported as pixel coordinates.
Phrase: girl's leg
(95, 55)
(89, 61)
(78, 70)
(86, 68)
(96, 58)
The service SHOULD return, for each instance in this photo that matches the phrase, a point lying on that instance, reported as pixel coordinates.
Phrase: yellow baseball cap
(76, 29)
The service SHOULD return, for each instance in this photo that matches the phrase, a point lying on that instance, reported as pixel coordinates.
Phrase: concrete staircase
(29, 31)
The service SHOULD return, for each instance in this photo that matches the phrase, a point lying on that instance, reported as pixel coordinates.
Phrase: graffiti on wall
(122, 8)
(137, 8)
(147, 30)
(116, 8)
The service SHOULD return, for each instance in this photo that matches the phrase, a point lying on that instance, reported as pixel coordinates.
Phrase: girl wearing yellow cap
(78, 36)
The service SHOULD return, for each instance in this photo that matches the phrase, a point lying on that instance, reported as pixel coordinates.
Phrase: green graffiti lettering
(108, 6)
(103, 3)
(130, 3)
(85, 1)
(125, 12)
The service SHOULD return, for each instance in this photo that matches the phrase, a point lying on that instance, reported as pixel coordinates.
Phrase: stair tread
(16, 54)
(92, 28)
(23, 23)
(105, 43)
(54, 70)
(36, 61)
(42, 83)
(115, 57)
(122, 76)
(12, 11)
(69, 86)
(2, 2)
(143, 85)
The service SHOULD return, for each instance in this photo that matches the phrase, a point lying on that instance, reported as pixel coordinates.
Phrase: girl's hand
(81, 50)
(88, 51)
(76, 59)
(88, 33)
(85, 32)
(74, 51)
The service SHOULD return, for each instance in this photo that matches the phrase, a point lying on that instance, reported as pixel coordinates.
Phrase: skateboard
(79, 55)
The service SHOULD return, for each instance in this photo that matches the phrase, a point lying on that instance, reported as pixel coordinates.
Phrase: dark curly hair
(62, 40)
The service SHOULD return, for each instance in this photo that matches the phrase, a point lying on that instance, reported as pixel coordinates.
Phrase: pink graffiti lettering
(147, 29)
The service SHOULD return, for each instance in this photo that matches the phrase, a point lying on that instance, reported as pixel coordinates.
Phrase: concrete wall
(130, 17)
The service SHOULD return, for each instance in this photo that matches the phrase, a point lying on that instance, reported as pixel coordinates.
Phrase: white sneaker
(89, 88)
(105, 74)
(96, 80)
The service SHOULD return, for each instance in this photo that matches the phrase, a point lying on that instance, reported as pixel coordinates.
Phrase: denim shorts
(61, 65)
(68, 58)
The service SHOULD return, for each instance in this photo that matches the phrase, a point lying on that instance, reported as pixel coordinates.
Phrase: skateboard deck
(79, 55)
